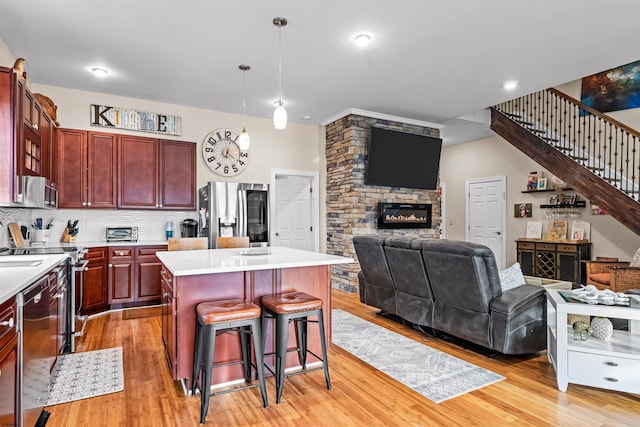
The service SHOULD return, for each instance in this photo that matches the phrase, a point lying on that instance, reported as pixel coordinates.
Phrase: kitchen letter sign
(124, 118)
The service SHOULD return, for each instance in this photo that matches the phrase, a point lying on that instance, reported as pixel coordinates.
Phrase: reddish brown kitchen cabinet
(148, 273)
(8, 364)
(168, 319)
(177, 175)
(121, 275)
(86, 171)
(156, 174)
(94, 291)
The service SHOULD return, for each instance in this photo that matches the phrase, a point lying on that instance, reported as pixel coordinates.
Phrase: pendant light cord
(280, 62)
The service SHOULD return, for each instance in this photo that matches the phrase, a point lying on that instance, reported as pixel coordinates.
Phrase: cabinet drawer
(526, 245)
(8, 322)
(546, 246)
(604, 371)
(567, 248)
(149, 250)
(96, 254)
(121, 252)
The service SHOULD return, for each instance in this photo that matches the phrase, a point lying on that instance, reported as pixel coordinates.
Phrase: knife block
(66, 237)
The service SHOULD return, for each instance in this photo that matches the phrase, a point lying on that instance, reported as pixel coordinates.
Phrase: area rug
(87, 374)
(432, 373)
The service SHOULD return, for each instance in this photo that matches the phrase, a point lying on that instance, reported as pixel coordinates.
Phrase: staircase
(593, 153)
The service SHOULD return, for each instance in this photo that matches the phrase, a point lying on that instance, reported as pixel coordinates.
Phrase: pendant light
(280, 114)
(243, 139)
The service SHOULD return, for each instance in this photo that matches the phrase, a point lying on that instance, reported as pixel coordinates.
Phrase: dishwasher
(38, 349)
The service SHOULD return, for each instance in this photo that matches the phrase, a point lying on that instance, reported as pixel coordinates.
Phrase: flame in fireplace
(404, 218)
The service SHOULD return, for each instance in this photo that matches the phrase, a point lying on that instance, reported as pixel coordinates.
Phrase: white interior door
(486, 214)
(293, 214)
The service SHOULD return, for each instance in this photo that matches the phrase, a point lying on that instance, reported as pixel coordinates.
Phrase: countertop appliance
(189, 228)
(231, 209)
(122, 234)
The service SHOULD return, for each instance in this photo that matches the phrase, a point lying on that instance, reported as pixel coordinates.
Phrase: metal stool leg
(197, 358)
(209, 342)
(245, 345)
(259, 354)
(301, 328)
(282, 332)
(323, 343)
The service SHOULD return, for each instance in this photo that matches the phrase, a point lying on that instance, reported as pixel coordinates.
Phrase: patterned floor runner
(87, 374)
(432, 373)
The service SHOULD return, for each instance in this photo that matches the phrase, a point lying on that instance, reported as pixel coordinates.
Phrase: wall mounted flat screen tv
(400, 159)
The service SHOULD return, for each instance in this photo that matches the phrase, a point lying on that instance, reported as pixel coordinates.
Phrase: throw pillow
(635, 261)
(511, 277)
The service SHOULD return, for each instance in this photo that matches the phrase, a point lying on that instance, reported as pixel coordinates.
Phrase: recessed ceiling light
(99, 72)
(362, 39)
(307, 117)
(510, 85)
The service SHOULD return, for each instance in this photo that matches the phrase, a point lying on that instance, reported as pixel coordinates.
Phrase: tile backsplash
(92, 223)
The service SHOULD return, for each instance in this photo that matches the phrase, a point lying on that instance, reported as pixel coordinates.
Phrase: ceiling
(441, 61)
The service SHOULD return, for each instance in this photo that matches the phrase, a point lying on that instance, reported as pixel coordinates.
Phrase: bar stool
(296, 307)
(215, 318)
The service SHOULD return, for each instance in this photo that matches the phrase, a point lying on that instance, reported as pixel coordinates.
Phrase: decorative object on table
(430, 372)
(557, 230)
(592, 295)
(222, 154)
(601, 328)
(534, 230)
(522, 210)
(532, 180)
(542, 184)
(609, 273)
(581, 331)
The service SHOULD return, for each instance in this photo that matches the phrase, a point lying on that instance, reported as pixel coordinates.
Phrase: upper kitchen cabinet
(25, 136)
(86, 169)
(156, 174)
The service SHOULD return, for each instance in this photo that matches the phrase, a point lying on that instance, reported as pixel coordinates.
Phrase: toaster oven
(122, 234)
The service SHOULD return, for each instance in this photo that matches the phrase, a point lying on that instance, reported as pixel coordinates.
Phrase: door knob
(277, 234)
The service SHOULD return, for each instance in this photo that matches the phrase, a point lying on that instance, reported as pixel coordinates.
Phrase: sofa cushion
(511, 277)
(604, 278)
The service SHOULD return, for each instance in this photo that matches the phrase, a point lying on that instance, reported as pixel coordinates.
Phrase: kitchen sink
(15, 263)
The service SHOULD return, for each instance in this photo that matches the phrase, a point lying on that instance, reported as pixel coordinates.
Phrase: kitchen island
(191, 277)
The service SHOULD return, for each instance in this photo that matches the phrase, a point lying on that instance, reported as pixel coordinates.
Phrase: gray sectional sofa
(452, 287)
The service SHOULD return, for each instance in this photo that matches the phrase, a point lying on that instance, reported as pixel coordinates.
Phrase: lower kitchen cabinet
(168, 319)
(94, 291)
(8, 364)
(134, 275)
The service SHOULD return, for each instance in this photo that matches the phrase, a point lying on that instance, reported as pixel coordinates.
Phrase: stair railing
(607, 147)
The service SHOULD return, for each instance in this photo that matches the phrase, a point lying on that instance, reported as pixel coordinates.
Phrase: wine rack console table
(553, 259)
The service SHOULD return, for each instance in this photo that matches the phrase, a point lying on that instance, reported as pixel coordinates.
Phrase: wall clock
(221, 153)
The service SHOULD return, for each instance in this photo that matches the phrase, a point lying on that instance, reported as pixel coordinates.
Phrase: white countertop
(189, 263)
(15, 279)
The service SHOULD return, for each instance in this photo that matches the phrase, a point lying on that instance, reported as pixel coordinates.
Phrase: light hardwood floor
(361, 395)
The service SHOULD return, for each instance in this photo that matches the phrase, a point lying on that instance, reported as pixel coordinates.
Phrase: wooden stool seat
(296, 307)
(218, 317)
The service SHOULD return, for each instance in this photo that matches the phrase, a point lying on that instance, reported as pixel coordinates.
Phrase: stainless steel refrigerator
(232, 209)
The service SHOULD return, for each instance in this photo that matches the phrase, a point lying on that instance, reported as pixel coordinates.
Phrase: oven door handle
(80, 265)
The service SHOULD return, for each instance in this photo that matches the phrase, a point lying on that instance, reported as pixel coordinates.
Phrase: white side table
(613, 364)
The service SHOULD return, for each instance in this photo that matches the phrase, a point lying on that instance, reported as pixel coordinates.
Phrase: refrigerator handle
(242, 213)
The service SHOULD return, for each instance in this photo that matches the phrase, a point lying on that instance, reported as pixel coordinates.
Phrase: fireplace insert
(404, 215)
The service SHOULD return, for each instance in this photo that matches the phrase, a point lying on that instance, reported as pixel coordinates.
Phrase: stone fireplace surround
(352, 206)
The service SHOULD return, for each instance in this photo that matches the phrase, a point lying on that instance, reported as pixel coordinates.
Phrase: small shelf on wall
(578, 204)
(546, 190)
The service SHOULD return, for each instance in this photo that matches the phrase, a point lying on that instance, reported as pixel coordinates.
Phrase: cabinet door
(71, 155)
(567, 266)
(9, 382)
(177, 175)
(168, 321)
(148, 266)
(526, 258)
(47, 154)
(137, 173)
(32, 153)
(121, 275)
(94, 294)
(102, 158)
(545, 264)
